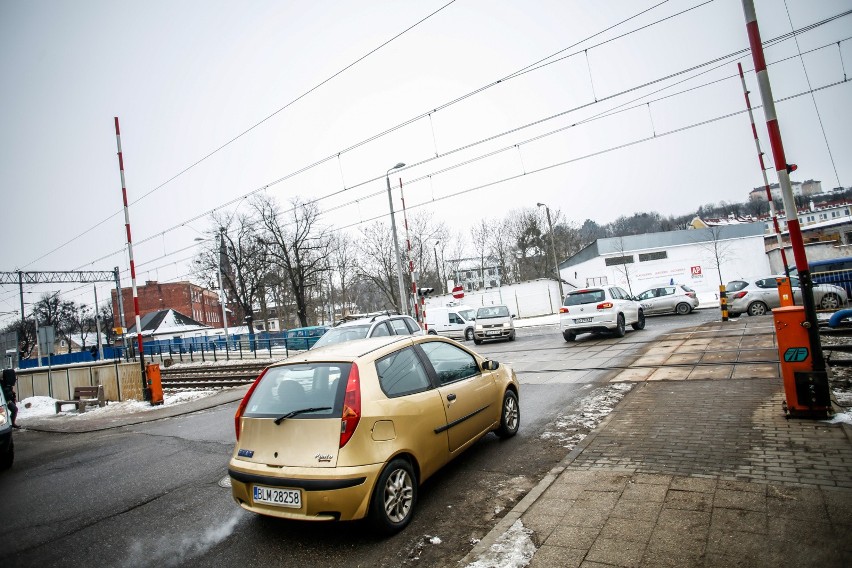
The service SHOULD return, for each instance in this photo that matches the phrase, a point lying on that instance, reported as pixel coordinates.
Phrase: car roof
(347, 350)
(368, 319)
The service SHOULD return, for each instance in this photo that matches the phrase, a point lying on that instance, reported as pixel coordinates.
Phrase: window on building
(616, 260)
(596, 281)
(660, 255)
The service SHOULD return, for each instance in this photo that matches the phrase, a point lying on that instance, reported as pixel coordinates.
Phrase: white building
(639, 262)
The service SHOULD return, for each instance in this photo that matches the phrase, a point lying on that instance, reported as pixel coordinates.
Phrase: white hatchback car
(608, 308)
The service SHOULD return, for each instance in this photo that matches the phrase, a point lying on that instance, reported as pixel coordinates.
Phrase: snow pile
(40, 406)
(514, 549)
(570, 429)
(845, 417)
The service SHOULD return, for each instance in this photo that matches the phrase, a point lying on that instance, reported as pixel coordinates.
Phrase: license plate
(583, 320)
(278, 497)
(492, 333)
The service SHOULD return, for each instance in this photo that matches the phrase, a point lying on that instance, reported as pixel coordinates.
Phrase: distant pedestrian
(8, 384)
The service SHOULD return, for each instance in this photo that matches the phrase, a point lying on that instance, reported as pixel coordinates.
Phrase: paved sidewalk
(697, 466)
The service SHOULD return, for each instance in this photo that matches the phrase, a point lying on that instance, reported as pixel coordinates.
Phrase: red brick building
(200, 304)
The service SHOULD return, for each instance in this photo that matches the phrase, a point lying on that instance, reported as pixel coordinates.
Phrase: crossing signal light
(792, 168)
(424, 291)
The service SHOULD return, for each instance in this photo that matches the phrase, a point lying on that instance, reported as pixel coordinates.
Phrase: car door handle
(451, 397)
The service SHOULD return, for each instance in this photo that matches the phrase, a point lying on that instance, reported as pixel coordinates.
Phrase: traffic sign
(458, 292)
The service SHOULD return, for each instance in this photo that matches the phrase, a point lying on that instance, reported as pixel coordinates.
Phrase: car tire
(9, 457)
(569, 336)
(620, 327)
(758, 309)
(468, 334)
(432, 332)
(640, 323)
(682, 309)
(477, 341)
(830, 302)
(512, 336)
(394, 497)
(510, 416)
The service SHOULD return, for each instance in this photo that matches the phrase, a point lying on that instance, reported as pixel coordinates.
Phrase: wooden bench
(84, 396)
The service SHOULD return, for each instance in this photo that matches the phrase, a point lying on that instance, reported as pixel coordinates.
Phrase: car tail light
(691, 294)
(244, 403)
(604, 305)
(739, 295)
(351, 406)
(563, 310)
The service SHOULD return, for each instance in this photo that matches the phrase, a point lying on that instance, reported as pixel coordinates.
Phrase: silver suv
(370, 325)
(493, 322)
(608, 308)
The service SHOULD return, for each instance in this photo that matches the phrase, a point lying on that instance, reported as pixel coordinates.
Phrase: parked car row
(757, 296)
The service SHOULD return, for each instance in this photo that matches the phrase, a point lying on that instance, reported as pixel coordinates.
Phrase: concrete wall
(121, 381)
(526, 299)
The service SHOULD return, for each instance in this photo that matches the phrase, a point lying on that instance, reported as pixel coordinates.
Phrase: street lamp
(222, 300)
(402, 297)
(553, 246)
(438, 268)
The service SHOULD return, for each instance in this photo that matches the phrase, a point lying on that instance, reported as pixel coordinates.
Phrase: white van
(454, 321)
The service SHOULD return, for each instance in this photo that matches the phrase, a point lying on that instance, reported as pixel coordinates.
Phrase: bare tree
(623, 262)
(295, 243)
(344, 264)
(716, 249)
(236, 244)
(480, 236)
(526, 231)
(377, 263)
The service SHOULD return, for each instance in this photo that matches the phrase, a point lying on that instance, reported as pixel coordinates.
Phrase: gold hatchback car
(351, 430)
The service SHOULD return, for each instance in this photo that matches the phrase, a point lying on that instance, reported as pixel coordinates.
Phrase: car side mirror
(489, 365)
(514, 316)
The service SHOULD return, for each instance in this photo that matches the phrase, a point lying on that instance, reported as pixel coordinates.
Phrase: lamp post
(222, 299)
(553, 246)
(438, 268)
(402, 300)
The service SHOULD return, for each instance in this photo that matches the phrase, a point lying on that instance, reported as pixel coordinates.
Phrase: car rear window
(584, 297)
(297, 387)
(399, 326)
(735, 286)
(341, 334)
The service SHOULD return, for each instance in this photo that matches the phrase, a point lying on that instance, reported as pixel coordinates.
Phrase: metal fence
(217, 348)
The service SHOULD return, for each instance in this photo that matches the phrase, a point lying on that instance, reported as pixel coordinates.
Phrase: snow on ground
(514, 549)
(845, 417)
(570, 429)
(40, 406)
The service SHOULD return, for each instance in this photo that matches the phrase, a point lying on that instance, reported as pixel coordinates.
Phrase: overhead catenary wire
(724, 59)
(634, 88)
(250, 128)
(380, 134)
(768, 42)
(813, 97)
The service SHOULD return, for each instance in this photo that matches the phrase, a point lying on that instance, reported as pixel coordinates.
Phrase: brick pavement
(697, 466)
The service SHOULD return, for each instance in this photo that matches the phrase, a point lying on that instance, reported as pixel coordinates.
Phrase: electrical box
(806, 390)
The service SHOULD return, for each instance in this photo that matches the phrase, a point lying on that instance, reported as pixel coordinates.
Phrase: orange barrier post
(155, 385)
(806, 391)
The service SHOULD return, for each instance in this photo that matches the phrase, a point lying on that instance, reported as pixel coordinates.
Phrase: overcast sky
(185, 78)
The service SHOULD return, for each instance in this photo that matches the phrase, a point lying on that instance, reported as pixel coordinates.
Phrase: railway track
(209, 376)
(183, 378)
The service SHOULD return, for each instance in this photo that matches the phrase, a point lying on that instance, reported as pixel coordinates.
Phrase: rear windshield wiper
(293, 413)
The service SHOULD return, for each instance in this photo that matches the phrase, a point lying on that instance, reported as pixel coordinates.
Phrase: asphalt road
(150, 495)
